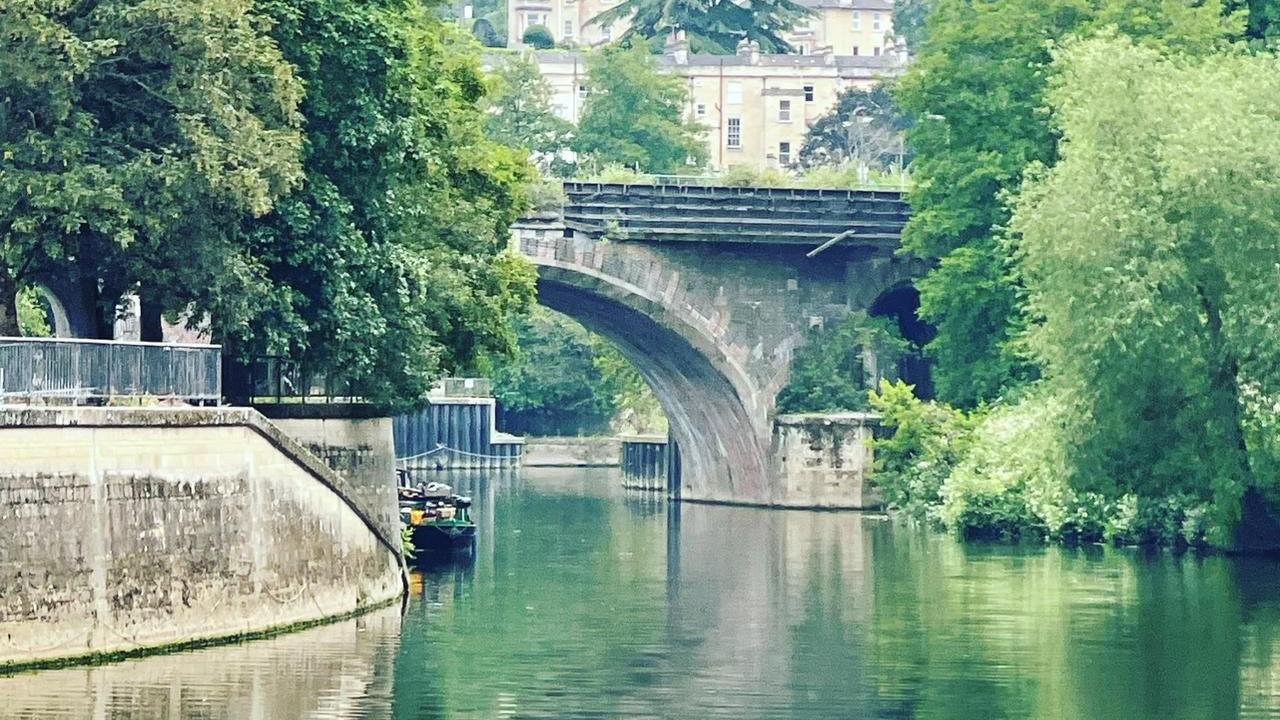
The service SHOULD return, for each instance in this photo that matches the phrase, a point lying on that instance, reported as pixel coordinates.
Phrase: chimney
(677, 47)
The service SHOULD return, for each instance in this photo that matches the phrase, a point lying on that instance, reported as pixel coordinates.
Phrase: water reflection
(339, 672)
(585, 602)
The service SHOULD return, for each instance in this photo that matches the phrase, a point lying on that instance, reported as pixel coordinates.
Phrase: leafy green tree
(1148, 254)
(909, 18)
(712, 27)
(976, 93)
(1264, 19)
(133, 145)
(487, 34)
(520, 115)
(864, 127)
(33, 320)
(829, 374)
(634, 115)
(538, 37)
(551, 385)
(564, 380)
(388, 265)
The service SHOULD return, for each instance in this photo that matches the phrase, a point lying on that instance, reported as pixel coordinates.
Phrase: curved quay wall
(129, 530)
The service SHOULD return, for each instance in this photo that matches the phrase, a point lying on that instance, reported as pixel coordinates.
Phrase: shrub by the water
(926, 441)
(1002, 473)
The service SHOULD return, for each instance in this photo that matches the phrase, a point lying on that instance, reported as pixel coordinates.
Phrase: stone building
(755, 107)
(847, 27)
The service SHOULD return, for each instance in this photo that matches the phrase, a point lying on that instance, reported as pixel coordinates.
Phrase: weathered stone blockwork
(122, 530)
(362, 453)
(824, 461)
(713, 330)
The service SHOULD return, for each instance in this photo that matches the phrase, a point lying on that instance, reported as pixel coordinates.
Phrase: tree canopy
(863, 127)
(976, 96)
(635, 115)
(520, 115)
(167, 148)
(564, 380)
(1149, 258)
(127, 134)
(712, 27)
(389, 263)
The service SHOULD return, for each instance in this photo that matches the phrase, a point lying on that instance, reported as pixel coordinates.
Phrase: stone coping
(24, 416)
(841, 418)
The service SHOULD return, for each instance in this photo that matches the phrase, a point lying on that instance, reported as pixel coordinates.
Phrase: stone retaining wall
(124, 530)
(571, 452)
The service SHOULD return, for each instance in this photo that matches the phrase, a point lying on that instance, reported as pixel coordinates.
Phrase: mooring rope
(446, 448)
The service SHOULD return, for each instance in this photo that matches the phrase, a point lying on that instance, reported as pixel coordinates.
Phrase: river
(586, 602)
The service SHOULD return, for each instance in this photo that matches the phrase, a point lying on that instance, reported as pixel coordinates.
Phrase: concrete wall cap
(843, 418)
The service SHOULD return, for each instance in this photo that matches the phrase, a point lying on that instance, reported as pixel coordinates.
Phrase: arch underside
(723, 448)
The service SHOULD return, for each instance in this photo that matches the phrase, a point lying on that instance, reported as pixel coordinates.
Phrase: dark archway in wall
(902, 303)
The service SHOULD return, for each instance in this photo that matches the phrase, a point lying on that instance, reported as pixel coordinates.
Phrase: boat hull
(443, 537)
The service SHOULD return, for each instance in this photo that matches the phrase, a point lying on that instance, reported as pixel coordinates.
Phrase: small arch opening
(902, 303)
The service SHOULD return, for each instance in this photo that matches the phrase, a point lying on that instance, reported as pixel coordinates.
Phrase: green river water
(585, 602)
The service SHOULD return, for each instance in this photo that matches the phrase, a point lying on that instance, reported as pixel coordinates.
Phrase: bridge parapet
(870, 221)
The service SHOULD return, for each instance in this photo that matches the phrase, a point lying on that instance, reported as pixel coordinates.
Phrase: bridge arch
(718, 418)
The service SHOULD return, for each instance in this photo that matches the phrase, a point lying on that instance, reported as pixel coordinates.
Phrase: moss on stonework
(106, 658)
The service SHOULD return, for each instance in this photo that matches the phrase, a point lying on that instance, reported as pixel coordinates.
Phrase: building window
(700, 110)
(606, 33)
(734, 92)
(855, 49)
(784, 111)
(784, 153)
(875, 21)
(568, 28)
(876, 52)
(857, 19)
(735, 133)
(808, 93)
(582, 92)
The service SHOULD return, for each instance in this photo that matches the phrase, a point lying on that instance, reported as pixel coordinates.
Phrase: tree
(830, 373)
(1148, 254)
(132, 146)
(909, 18)
(864, 127)
(564, 380)
(520, 115)
(388, 265)
(487, 34)
(975, 94)
(1263, 25)
(634, 115)
(713, 27)
(538, 37)
(33, 318)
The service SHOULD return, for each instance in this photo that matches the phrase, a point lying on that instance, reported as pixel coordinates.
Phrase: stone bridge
(709, 291)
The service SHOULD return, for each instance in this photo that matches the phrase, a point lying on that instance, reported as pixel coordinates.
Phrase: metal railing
(74, 370)
(278, 380)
